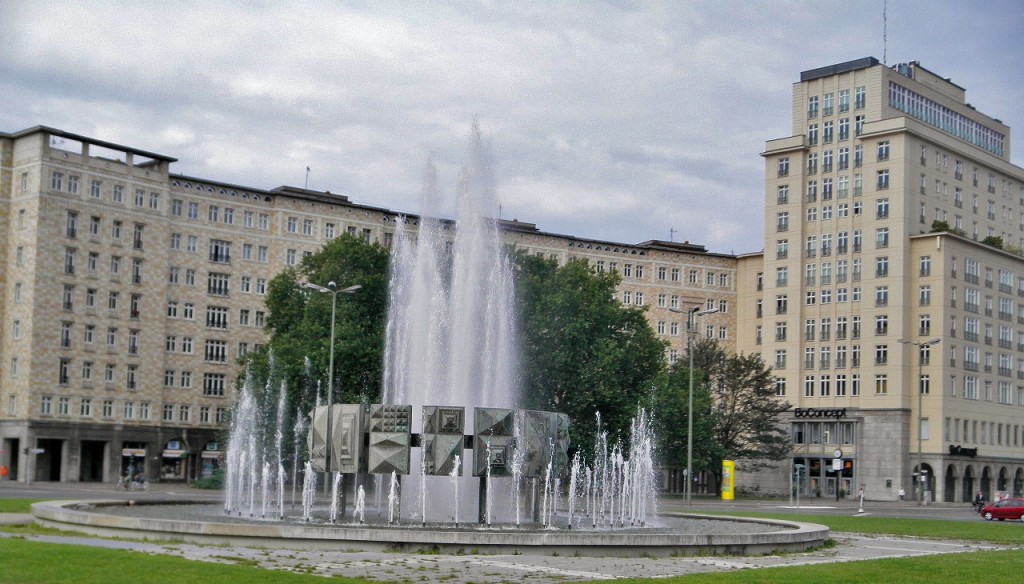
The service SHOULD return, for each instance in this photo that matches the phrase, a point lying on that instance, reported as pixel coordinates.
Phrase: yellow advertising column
(728, 480)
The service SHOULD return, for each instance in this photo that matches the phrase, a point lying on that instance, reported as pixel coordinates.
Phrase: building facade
(129, 292)
(900, 344)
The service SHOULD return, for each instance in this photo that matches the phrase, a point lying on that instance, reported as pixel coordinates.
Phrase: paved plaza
(514, 568)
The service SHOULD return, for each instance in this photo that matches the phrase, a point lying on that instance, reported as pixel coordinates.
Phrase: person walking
(903, 494)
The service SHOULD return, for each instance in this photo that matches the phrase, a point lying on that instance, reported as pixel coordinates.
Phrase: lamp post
(921, 474)
(332, 289)
(690, 329)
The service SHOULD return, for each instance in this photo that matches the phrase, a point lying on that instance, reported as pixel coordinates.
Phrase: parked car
(1005, 509)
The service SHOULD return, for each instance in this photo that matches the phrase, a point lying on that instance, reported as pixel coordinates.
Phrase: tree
(995, 241)
(583, 351)
(299, 323)
(670, 404)
(746, 410)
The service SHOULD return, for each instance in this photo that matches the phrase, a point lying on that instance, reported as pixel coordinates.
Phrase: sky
(619, 121)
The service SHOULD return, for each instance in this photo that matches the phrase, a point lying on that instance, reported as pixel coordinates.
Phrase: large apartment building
(129, 292)
(901, 349)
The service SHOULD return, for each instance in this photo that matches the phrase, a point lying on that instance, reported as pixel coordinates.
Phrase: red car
(1005, 509)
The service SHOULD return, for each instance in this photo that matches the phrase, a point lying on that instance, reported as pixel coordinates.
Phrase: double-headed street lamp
(690, 330)
(920, 412)
(333, 291)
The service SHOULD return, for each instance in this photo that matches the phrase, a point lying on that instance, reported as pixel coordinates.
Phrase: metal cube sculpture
(545, 437)
(346, 438)
(493, 441)
(442, 439)
(390, 429)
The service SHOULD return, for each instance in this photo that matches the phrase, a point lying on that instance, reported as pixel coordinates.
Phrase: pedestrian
(979, 501)
(903, 494)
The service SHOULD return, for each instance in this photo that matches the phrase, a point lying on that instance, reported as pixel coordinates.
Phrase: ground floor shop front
(66, 452)
(837, 452)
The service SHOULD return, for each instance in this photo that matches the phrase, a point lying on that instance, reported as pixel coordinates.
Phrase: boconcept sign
(820, 413)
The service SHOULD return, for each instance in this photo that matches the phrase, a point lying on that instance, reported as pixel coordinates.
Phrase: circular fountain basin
(676, 534)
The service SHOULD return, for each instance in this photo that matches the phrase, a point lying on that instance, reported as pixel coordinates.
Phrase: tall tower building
(890, 294)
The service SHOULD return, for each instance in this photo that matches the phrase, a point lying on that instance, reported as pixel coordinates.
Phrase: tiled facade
(850, 279)
(129, 292)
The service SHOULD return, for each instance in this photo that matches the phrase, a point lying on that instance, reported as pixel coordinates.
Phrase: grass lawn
(17, 505)
(23, 562)
(1002, 532)
(987, 567)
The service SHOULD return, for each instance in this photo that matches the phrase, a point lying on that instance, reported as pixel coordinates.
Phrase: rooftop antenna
(307, 179)
(885, 32)
(671, 235)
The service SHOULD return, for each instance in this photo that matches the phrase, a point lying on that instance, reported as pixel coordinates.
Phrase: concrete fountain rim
(86, 516)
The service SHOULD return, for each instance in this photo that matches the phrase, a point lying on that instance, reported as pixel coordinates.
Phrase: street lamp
(690, 329)
(333, 291)
(921, 475)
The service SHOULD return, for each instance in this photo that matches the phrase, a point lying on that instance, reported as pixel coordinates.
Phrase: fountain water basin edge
(677, 538)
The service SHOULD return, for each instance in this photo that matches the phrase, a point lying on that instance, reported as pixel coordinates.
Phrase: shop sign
(820, 413)
(955, 449)
(212, 454)
(133, 452)
(174, 454)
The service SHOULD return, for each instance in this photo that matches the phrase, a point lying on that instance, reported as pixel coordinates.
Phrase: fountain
(449, 355)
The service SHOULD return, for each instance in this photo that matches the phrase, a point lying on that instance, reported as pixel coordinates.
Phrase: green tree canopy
(671, 410)
(583, 351)
(299, 323)
(746, 410)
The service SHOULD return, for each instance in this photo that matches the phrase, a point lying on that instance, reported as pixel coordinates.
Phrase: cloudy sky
(618, 120)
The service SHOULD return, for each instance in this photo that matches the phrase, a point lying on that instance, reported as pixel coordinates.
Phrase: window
(812, 106)
(783, 166)
(216, 351)
(860, 97)
(307, 227)
(783, 195)
(782, 221)
(217, 317)
(293, 223)
(213, 213)
(217, 284)
(220, 251)
(290, 257)
(881, 384)
(213, 384)
(882, 237)
(69, 260)
(264, 221)
(261, 254)
(71, 229)
(883, 151)
(193, 210)
(881, 296)
(883, 180)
